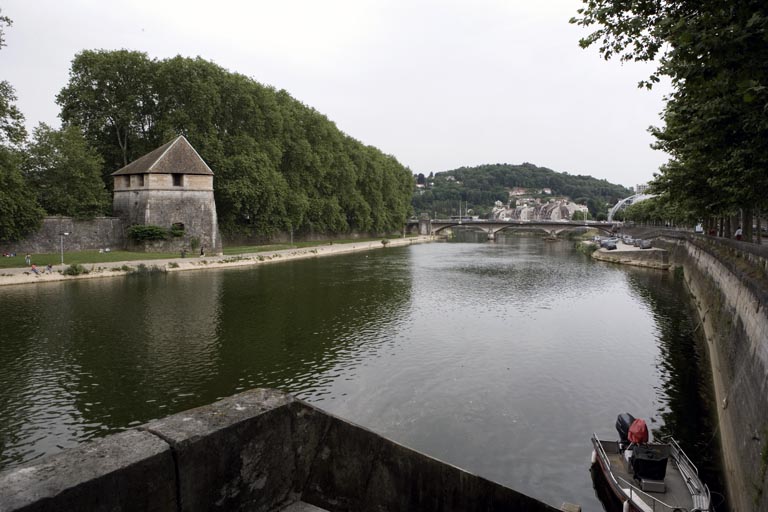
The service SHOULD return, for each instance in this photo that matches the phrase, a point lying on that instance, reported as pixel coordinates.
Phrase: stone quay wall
(261, 450)
(729, 284)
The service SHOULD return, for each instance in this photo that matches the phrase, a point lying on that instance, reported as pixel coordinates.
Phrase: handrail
(653, 499)
(635, 490)
(684, 457)
(690, 473)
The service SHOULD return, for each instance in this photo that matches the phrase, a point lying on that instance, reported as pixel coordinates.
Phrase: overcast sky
(439, 84)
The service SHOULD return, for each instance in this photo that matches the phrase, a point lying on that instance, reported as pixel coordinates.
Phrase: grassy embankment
(93, 256)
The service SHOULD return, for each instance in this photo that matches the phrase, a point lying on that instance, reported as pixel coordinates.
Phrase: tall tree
(278, 164)
(110, 96)
(19, 212)
(66, 173)
(716, 128)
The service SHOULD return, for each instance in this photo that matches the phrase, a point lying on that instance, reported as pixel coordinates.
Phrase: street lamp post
(61, 237)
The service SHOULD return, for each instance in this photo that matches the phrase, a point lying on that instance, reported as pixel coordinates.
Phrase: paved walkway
(14, 276)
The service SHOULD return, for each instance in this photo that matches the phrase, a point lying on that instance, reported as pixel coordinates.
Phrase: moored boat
(649, 477)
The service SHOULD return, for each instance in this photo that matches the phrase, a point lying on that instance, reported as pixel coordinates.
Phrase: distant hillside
(483, 185)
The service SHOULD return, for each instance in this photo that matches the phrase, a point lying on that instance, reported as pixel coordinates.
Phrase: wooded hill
(483, 185)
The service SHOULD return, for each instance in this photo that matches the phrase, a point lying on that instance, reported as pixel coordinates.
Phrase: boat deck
(676, 495)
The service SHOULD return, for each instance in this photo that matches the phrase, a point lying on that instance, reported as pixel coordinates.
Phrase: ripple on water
(500, 358)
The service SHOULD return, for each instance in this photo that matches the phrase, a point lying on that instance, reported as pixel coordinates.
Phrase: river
(501, 358)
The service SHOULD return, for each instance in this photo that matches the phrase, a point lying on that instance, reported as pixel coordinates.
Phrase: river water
(501, 358)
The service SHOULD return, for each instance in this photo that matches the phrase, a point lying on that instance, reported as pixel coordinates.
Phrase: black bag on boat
(650, 461)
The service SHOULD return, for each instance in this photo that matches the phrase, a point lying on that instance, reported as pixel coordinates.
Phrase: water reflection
(85, 359)
(685, 395)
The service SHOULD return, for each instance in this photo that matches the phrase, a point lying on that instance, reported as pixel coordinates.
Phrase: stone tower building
(171, 186)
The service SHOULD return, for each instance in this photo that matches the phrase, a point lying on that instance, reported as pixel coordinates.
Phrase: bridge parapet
(492, 227)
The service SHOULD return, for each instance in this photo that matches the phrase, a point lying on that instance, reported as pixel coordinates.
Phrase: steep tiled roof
(175, 157)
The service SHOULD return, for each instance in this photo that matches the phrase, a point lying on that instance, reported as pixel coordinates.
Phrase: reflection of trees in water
(288, 325)
(90, 358)
(686, 398)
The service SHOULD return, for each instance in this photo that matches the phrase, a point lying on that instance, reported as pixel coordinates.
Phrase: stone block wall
(733, 310)
(98, 233)
(259, 451)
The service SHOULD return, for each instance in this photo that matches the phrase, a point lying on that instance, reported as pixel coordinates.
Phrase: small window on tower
(128, 182)
(177, 180)
(141, 180)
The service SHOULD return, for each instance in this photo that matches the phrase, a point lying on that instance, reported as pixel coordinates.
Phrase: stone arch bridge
(492, 227)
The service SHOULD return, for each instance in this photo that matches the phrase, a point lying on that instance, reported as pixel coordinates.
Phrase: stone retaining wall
(259, 451)
(733, 308)
(98, 233)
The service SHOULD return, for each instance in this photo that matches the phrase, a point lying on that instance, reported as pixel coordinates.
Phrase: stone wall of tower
(157, 201)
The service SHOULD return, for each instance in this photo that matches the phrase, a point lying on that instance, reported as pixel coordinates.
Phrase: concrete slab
(108, 474)
(247, 452)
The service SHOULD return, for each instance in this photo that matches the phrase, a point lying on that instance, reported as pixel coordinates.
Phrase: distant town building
(641, 188)
(534, 209)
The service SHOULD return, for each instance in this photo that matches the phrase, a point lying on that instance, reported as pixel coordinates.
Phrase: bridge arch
(623, 203)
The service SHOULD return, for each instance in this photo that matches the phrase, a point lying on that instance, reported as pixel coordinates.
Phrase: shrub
(177, 230)
(143, 269)
(75, 270)
(141, 233)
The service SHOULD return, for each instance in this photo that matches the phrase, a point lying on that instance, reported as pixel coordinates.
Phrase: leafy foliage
(4, 20)
(65, 173)
(142, 233)
(715, 123)
(279, 164)
(75, 270)
(19, 212)
(482, 186)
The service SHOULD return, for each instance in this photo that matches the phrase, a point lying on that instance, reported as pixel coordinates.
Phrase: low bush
(146, 233)
(75, 270)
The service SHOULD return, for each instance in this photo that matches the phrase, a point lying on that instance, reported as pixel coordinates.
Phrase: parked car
(636, 242)
(645, 244)
(609, 241)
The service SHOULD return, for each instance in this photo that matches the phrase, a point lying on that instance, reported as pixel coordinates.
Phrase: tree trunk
(746, 223)
(759, 227)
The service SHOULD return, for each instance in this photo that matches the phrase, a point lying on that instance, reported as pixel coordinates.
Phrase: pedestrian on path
(28, 259)
(738, 233)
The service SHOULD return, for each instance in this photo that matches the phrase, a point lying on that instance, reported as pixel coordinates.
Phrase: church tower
(171, 187)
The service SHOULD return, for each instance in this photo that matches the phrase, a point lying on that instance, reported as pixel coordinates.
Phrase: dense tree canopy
(715, 53)
(483, 185)
(278, 163)
(65, 173)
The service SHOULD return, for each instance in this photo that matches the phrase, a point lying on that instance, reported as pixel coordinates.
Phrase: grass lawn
(89, 257)
(81, 257)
